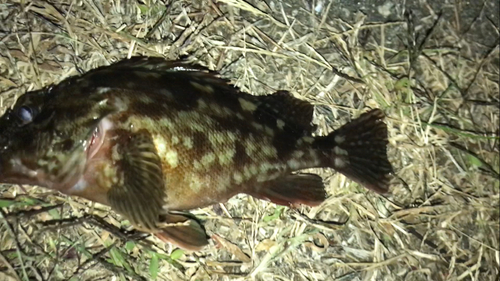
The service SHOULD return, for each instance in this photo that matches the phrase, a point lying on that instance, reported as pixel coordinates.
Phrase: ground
(436, 78)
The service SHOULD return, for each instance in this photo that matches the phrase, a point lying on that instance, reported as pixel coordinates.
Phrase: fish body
(153, 138)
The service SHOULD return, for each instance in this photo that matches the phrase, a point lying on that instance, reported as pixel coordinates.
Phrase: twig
(415, 51)
(429, 243)
(445, 73)
(95, 257)
(13, 273)
(478, 69)
(488, 169)
(159, 22)
(96, 221)
(33, 212)
(115, 269)
(123, 235)
(329, 225)
(18, 245)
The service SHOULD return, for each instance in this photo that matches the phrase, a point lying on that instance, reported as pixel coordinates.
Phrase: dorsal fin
(186, 81)
(149, 73)
(296, 114)
(157, 64)
(179, 81)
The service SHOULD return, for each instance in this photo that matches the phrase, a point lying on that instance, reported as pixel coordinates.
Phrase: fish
(154, 139)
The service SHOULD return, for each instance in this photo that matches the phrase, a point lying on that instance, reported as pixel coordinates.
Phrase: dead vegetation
(439, 90)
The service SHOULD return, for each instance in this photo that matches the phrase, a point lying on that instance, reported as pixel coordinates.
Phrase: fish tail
(359, 151)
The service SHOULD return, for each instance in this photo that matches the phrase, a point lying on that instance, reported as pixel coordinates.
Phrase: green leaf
(144, 9)
(54, 213)
(462, 133)
(129, 245)
(380, 99)
(277, 213)
(117, 257)
(386, 238)
(402, 84)
(52, 243)
(153, 266)
(168, 259)
(474, 161)
(29, 201)
(177, 254)
(6, 203)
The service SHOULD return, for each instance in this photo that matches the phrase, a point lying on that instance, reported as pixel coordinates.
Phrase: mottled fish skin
(151, 137)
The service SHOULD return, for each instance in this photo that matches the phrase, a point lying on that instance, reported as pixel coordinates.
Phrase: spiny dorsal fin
(152, 74)
(142, 71)
(157, 64)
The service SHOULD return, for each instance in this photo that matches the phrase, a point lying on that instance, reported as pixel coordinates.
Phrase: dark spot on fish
(240, 156)
(242, 129)
(153, 110)
(228, 99)
(115, 79)
(65, 145)
(121, 136)
(285, 143)
(201, 143)
(266, 116)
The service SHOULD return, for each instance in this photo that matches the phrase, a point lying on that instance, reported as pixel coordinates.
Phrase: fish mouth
(95, 142)
(97, 138)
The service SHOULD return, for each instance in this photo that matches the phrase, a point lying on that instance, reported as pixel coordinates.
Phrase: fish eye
(25, 114)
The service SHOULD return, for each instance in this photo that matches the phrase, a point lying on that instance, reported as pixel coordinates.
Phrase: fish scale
(154, 139)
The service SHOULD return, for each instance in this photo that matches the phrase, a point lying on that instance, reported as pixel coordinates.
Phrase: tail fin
(358, 150)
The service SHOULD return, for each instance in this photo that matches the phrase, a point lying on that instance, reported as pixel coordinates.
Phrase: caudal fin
(359, 150)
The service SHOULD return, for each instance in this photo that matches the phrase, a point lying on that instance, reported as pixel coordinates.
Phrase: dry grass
(439, 222)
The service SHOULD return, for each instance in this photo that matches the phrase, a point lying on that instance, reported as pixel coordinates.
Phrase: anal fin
(307, 189)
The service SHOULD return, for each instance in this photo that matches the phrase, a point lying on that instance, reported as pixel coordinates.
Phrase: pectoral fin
(141, 194)
(182, 231)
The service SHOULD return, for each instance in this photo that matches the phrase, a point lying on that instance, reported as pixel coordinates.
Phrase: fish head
(47, 137)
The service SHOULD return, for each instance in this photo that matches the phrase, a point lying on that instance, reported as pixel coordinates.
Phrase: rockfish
(153, 138)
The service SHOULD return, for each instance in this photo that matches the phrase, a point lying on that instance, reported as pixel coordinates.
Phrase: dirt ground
(433, 68)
